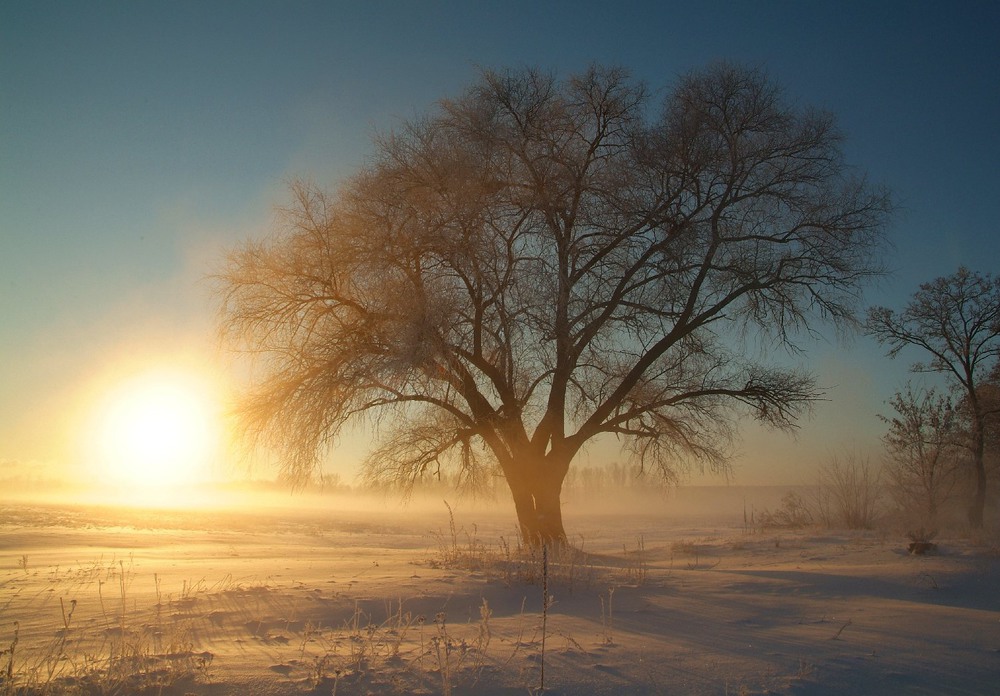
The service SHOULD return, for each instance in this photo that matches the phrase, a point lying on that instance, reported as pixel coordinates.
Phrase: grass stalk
(545, 615)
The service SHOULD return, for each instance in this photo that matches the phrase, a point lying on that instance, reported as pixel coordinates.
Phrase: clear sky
(139, 140)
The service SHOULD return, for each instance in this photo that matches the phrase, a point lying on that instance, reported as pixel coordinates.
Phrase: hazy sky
(139, 140)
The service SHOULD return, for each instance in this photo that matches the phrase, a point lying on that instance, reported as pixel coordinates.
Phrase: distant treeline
(581, 483)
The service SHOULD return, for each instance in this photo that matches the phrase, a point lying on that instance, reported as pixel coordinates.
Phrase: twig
(836, 636)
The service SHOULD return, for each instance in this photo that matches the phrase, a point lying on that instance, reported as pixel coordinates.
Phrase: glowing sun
(158, 430)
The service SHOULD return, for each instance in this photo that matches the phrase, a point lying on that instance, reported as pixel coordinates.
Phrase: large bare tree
(541, 262)
(956, 320)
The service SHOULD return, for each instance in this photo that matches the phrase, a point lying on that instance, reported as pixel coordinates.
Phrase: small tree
(923, 451)
(849, 492)
(540, 263)
(956, 319)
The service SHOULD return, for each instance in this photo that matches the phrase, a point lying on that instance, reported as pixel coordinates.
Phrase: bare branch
(539, 262)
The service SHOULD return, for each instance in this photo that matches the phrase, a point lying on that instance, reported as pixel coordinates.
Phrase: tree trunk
(978, 498)
(978, 451)
(536, 491)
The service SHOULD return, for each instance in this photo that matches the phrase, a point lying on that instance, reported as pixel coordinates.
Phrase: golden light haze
(160, 427)
(150, 428)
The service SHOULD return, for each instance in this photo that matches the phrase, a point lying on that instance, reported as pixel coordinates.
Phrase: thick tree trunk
(979, 497)
(536, 491)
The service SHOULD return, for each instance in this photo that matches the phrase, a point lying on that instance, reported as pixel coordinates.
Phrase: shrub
(849, 492)
(793, 514)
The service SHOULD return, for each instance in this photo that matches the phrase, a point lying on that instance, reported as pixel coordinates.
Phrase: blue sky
(139, 140)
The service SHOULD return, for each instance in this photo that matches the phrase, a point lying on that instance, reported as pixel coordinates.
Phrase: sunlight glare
(158, 430)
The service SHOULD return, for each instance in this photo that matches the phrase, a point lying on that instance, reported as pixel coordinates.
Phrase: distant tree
(850, 492)
(924, 451)
(957, 320)
(539, 263)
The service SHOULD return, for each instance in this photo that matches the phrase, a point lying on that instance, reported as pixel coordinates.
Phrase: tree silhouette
(924, 450)
(956, 319)
(539, 263)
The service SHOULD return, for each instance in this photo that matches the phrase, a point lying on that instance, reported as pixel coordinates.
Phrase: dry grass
(569, 567)
(128, 652)
(444, 625)
(134, 650)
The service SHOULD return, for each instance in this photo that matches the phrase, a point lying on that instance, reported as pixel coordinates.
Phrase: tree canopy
(541, 261)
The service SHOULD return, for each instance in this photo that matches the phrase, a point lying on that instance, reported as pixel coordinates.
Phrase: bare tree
(924, 451)
(539, 263)
(989, 399)
(988, 402)
(957, 320)
(849, 492)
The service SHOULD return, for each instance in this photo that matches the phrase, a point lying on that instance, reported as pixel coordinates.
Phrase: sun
(158, 431)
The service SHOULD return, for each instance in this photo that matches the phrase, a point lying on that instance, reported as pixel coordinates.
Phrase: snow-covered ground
(352, 598)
